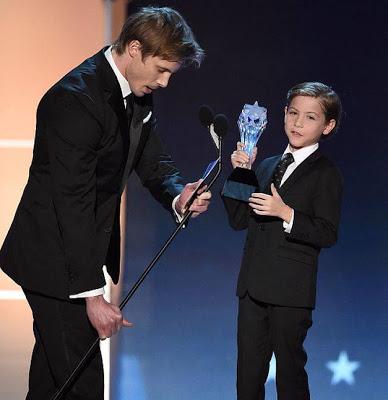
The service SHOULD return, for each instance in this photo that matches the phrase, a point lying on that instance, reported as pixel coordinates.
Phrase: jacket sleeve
(320, 228)
(156, 169)
(73, 135)
(238, 213)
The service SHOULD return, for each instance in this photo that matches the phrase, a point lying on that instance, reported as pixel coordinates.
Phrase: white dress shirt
(299, 156)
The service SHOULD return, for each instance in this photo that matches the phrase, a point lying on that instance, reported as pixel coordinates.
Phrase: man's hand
(105, 317)
(199, 205)
(265, 204)
(240, 158)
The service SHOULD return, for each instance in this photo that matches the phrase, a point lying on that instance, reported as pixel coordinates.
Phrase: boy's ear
(329, 127)
(285, 113)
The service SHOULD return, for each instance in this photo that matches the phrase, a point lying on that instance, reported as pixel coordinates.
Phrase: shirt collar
(301, 154)
(124, 85)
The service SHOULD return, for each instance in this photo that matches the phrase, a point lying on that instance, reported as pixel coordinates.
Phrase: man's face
(148, 74)
(305, 122)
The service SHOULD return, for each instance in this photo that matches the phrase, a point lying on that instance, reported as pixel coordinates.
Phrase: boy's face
(304, 122)
(148, 74)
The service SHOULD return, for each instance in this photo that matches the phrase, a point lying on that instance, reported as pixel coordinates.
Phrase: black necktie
(129, 107)
(281, 168)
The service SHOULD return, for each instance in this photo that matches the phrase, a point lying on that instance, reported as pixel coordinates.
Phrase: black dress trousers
(63, 334)
(264, 329)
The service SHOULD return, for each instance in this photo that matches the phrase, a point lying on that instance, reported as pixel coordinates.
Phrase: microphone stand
(93, 347)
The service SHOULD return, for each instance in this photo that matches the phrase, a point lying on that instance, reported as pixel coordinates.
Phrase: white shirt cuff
(288, 226)
(89, 293)
(178, 217)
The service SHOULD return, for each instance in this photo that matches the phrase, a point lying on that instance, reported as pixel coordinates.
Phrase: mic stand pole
(140, 280)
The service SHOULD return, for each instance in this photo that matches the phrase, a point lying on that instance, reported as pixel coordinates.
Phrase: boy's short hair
(161, 32)
(328, 98)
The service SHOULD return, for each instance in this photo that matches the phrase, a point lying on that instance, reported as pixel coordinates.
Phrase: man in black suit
(293, 215)
(94, 127)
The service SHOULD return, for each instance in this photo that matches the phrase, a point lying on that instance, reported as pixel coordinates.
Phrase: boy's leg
(289, 328)
(63, 334)
(254, 349)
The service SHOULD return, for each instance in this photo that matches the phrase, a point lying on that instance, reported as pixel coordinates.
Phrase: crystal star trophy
(243, 181)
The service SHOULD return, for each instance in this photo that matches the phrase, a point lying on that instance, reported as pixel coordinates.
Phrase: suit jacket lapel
(114, 95)
(141, 107)
(116, 101)
(134, 134)
(300, 170)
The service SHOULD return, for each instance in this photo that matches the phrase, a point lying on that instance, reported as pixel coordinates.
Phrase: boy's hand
(240, 158)
(265, 204)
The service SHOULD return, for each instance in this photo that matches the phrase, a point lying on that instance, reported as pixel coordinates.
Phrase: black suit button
(107, 230)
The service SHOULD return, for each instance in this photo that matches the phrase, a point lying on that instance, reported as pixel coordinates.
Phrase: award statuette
(251, 123)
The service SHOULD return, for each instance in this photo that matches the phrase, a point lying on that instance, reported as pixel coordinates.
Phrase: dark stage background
(183, 343)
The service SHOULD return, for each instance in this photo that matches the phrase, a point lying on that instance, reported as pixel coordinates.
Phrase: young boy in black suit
(294, 214)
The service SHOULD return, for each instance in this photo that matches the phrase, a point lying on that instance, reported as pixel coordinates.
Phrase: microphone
(205, 115)
(220, 123)
(207, 119)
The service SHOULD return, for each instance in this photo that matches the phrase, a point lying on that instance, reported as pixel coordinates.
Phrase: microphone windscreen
(206, 115)
(220, 123)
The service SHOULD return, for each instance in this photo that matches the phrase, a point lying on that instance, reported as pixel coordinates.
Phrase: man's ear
(285, 113)
(134, 48)
(329, 127)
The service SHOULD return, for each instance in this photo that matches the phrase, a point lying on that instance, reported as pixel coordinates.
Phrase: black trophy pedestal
(241, 184)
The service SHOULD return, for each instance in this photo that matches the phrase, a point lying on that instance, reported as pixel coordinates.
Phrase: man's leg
(254, 349)
(63, 334)
(289, 328)
(40, 375)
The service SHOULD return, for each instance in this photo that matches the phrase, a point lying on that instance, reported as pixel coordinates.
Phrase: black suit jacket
(67, 223)
(281, 268)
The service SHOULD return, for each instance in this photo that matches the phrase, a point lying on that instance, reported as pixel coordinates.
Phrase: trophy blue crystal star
(243, 181)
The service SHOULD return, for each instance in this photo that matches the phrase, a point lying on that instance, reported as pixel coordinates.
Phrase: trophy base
(241, 184)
